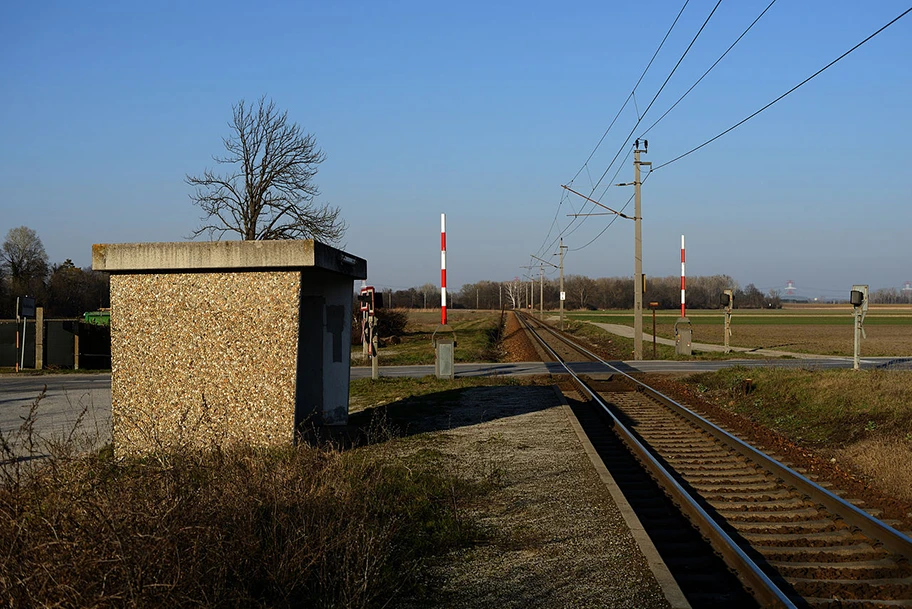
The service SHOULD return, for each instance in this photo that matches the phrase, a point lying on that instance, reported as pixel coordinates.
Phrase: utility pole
(639, 285)
(531, 299)
(541, 289)
(638, 254)
(562, 248)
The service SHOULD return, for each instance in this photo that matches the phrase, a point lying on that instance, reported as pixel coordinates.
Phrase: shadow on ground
(452, 409)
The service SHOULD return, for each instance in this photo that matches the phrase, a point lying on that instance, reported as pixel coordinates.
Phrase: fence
(60, 340)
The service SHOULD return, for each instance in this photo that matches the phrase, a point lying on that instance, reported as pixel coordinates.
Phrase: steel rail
(895, 541)
(754, 579)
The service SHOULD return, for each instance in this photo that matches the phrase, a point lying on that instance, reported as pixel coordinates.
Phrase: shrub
(391, 322)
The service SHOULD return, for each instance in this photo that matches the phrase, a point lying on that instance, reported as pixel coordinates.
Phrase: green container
(97, 318)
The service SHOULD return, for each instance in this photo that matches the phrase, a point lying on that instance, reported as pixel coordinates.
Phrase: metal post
(22, 361)
(541, 291)
(562, 248)
(375, 352)
(859, 300)
(39, 338)
(443, 294)
(365, 335)
(856, 359)
(683, 277)
(17, 332)
(654, 334)
(637, 262)
(531, 293)
(728, 317)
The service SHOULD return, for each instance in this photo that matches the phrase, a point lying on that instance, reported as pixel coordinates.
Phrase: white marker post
(683, 328)
(683, 274)
(443, 269)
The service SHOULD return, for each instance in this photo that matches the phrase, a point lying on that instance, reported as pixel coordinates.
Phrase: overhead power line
(633, 91)
(796, 87)
(659, 92)
(632, 131)
(721, 57)
(585, 164)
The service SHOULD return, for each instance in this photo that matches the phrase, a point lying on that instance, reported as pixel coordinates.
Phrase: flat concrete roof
(225, 256)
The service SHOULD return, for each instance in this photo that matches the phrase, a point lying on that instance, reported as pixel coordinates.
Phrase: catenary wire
(616, 173)
(613, 220)
(574, 221)
(639, 120)
(796, 87)
(721, 57)
(613, 121)
(633, 91)
(659, 92)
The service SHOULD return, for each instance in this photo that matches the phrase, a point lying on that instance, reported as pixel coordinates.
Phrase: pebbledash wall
(219, 343)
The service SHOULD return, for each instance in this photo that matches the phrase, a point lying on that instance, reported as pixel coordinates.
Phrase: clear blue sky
(480, 110)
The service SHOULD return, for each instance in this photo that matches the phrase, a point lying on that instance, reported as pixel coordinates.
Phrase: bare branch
(270, 194)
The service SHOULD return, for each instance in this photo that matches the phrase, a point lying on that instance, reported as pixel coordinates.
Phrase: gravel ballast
(560, 540)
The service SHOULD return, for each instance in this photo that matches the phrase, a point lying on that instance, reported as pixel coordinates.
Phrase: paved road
(663, 366)
(68, 395)
(627, 331)
(70, 399)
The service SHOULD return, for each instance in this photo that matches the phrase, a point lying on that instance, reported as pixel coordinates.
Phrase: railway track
(786, 540)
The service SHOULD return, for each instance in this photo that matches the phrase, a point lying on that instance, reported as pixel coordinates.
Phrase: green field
(824, 330)
(841, 316)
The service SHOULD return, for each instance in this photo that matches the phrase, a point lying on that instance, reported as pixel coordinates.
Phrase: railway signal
(727, 300)
(370, 300)
(859, 299)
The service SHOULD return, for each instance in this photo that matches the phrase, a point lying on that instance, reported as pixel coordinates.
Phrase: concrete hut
(227, 342)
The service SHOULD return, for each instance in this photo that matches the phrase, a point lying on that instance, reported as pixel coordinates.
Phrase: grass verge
(477, 334)
(819, 408)
(860, 420)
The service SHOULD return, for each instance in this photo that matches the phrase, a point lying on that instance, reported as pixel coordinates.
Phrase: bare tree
(431, 294)
(269, 193)
(513, 290)
(24, 258)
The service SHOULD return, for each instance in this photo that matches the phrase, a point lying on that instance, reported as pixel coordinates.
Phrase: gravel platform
(563, 542)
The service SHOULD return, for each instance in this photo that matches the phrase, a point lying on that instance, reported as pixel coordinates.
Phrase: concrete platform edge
(659, 569)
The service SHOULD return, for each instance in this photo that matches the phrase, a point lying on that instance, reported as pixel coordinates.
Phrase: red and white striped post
(443, 269)
(682, 276)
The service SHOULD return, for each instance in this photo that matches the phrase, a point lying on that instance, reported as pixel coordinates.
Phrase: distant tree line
(63, 289)
(585, 293)
(890, 296)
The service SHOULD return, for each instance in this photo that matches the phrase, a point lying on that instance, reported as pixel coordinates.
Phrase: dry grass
(882, 340)
(306, 525)
(886, 461)
(861, 418)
